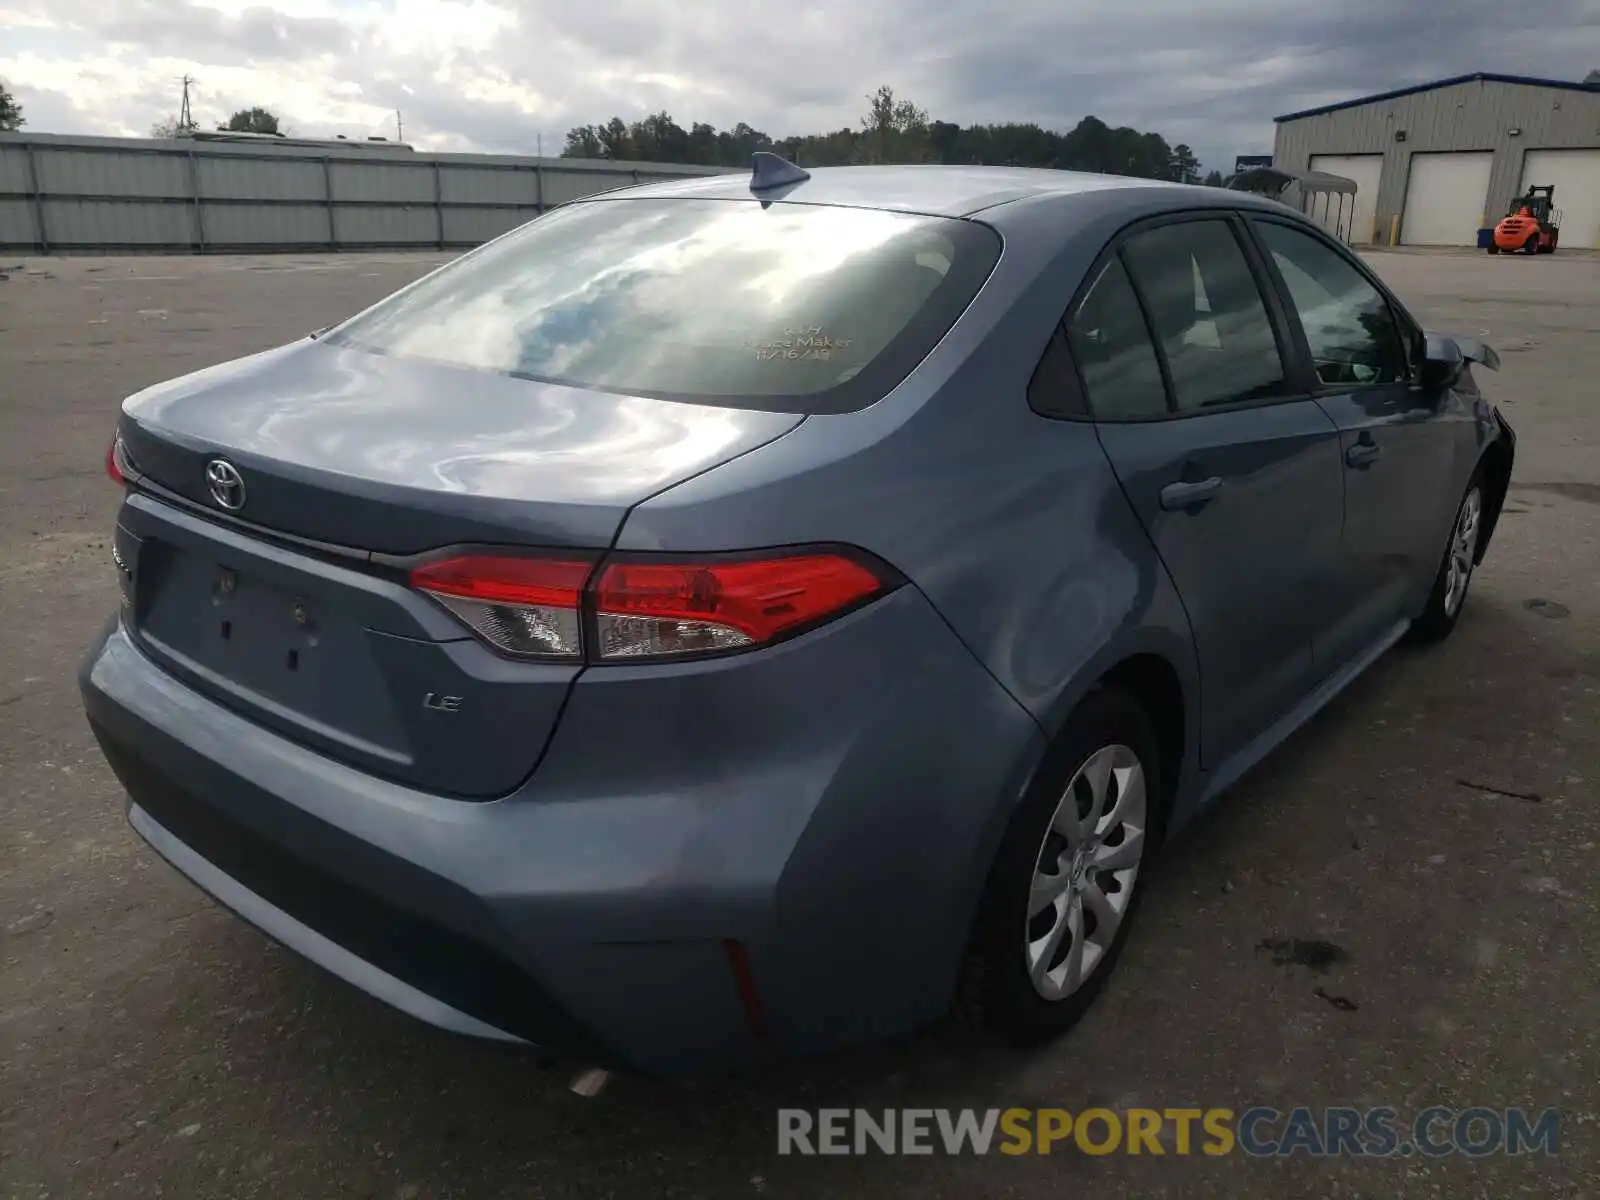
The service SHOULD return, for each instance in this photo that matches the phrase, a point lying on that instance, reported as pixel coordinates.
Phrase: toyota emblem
(226, 484)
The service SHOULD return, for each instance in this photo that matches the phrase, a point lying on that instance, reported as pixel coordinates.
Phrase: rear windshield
(787, 307)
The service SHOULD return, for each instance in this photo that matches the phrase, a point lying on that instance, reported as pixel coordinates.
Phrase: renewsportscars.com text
(1258, 1131)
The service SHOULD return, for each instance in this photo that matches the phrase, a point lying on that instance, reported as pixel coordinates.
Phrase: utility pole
(185, 118)
(399, 127)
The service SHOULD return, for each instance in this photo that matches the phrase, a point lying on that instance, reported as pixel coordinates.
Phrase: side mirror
(1442, 363)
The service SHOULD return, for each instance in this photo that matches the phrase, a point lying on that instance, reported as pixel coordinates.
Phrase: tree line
(891, 131)
(897, 131)
(246, 120)
(11, 118)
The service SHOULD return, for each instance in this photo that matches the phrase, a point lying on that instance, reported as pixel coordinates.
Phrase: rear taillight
(114, 462)
(639, 608)
(653, 609)
(527, 607)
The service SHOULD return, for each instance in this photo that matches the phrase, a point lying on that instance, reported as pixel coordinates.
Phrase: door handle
(1177, 497)
(1363, 453)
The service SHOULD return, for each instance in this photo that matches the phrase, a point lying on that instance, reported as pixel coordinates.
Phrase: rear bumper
(303, 939)
(838, 832)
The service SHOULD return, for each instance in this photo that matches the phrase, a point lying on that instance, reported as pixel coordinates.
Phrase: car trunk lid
(357, 449)
(287, 599)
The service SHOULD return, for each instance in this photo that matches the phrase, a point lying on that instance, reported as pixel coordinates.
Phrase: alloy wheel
(1084, 875)
(1463, 551)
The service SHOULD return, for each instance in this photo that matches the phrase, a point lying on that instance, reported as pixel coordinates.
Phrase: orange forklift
(1533, 224)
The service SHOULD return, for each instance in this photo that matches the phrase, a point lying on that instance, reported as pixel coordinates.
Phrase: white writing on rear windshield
(799, 342)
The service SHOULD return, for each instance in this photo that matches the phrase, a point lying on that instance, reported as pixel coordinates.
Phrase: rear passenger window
(1111, 344)
(1208, 313)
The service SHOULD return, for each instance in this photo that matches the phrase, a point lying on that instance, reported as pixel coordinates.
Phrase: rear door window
(1208, 313)
(787, 307)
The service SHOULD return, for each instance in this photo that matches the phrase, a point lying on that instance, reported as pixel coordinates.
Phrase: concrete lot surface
(1438, 824)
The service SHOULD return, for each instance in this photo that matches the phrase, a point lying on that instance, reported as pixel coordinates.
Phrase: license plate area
(295, 658)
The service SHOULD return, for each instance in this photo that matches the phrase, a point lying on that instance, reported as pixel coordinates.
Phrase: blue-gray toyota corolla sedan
(750, 615)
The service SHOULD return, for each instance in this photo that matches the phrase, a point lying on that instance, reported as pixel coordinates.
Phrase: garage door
(1445, 198)
(1576, 176)
(1365, 169)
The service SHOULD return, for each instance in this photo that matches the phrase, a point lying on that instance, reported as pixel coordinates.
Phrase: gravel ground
(1438, 823)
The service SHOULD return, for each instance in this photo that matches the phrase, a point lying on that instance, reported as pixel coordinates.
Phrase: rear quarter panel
(1011, 523)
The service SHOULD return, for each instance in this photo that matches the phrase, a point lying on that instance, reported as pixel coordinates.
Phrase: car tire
(1448, 595)
(1017, 983)
(1493, 249)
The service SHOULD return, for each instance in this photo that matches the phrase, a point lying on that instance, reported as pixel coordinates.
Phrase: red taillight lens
(114, 462)
(651, 609)
(527, 607)
(642, 609)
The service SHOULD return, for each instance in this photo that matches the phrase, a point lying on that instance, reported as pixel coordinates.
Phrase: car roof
(946, 191)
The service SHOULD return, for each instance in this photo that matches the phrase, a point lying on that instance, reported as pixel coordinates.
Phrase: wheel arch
(1155, 685)
(1494, 468)
(1152, 672)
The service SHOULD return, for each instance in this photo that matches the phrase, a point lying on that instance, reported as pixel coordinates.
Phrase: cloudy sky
(500, 74)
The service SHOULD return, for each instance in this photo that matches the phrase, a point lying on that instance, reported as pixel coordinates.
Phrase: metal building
(1437, 162)
(253, 194)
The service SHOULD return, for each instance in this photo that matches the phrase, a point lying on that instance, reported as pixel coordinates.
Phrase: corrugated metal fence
(118, 195)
